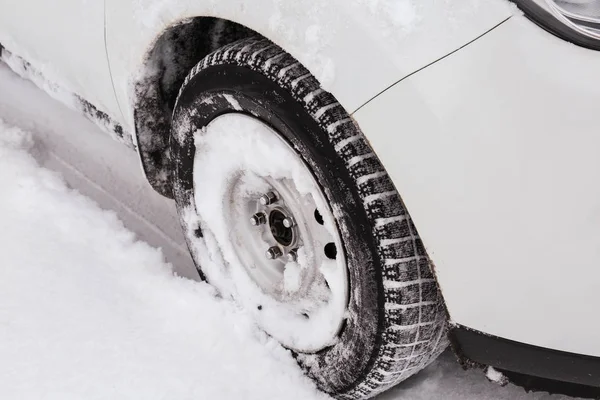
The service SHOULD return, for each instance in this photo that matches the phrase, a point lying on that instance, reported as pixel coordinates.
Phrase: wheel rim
(281, 253)
(282, 223)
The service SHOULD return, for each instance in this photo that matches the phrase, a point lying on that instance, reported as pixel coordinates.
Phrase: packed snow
(88, 311)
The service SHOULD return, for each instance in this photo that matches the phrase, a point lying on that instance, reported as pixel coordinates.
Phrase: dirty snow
(41, 75)
(89, 313)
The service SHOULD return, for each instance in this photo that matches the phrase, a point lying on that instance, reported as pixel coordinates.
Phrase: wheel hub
(280, 230)
(278, 219)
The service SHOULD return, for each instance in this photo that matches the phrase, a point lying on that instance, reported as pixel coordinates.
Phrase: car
(369, 180)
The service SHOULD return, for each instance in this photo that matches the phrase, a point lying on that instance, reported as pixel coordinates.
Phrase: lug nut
(268, 198)
(273, 253)
(293, 255)
(288, 222)
(258, 219)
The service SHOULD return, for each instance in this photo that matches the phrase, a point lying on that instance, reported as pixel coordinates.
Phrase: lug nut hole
(330, 250)
(319, 217)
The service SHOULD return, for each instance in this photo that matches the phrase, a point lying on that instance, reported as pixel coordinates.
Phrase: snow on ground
(88, 311)
(97, 166)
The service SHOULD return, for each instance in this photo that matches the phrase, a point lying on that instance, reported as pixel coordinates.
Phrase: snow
(41, 78)
(389, 19)
(233, 154)
(407, 34)
(98, 314)
(444, 379)
(24, 69)
(234, 103)
(96, 165)
(495, 376)
(45, 75)
(88, 312)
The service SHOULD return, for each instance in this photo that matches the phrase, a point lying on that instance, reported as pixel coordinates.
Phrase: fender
(496, 159)
(355, 51)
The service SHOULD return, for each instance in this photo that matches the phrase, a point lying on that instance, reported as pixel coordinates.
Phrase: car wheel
(287, 210)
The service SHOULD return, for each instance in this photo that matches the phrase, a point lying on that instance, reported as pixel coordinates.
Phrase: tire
(396, 321)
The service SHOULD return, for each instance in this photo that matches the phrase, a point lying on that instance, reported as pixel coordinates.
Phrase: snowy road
(87, 312)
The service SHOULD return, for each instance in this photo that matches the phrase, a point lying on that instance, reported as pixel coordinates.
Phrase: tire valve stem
(258, 219)
(268, 198)
(273, 253)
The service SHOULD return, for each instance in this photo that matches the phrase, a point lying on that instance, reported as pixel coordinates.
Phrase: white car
(296, 137)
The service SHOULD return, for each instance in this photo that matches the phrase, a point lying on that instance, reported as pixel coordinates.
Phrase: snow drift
(88, 312)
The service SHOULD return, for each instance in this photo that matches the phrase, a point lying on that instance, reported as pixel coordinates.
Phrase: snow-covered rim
(272, 242)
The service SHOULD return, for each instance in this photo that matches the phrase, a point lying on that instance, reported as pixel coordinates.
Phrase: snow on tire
(394, 323)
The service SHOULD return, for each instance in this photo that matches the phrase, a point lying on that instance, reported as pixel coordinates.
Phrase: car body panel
(356, 49)
(63, 41)
(496, 152)
(496, 169)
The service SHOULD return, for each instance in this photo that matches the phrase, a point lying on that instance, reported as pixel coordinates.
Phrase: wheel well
(166, 64)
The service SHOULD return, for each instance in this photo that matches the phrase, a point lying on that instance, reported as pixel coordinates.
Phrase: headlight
(581, 15)
(577, 21)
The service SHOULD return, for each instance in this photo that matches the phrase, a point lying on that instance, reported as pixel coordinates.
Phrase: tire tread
(415, 324)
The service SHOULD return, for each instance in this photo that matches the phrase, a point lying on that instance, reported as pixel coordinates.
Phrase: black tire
(397, 323)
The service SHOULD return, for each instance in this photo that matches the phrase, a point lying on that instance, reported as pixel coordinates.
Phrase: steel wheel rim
(296, 227)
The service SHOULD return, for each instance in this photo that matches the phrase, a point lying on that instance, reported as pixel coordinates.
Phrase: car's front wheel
(287, 210)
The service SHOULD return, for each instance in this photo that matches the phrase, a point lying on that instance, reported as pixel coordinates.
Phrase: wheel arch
(146, 81)
(165, 65)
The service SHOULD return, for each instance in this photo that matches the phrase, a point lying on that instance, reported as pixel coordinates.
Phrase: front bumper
(496, 153)
(508, 355)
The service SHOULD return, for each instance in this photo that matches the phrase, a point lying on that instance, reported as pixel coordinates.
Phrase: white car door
(64, 40)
